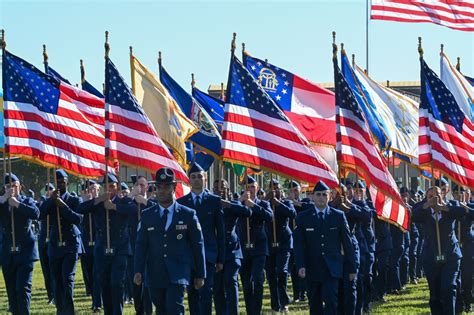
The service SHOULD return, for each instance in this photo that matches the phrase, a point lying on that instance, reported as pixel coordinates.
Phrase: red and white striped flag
(258, 134)
(52, 122)
(455, 14)
(131, 137)
(446, 134)
(356, 150)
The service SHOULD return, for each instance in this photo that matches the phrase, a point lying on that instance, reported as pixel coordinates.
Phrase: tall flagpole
(108, 250)
(367, 36)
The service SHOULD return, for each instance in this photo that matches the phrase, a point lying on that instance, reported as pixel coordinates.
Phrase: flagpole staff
(4, 46)
(48, 180)
(108, 250)
(458, 64)
(83, 72)
(45, 58)
(275, 243)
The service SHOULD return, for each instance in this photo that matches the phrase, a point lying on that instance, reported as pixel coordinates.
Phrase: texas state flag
(310, 107)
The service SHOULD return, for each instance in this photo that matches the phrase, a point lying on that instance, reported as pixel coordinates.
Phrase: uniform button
(322, 244)
(322, 253)
(164, 235)
(166, 245)
(230, 243)
(165, 256)
(322, 235)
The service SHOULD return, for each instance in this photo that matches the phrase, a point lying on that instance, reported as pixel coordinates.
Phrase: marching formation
(145, 246)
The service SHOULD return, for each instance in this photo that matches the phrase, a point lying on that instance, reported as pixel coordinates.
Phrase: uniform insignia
(181, 227)
(163, 176)
(310, 229)
(333, 228)
(180, 222)
(179, 236)
(151, 229)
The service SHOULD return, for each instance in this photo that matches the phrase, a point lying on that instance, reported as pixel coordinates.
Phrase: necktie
(198, 201)
(321, 214)
(164, 218)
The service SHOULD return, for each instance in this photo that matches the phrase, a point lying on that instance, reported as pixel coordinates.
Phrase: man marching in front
(320, 233)
(169, 245)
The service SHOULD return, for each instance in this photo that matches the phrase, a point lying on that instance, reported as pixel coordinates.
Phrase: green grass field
(414, 300)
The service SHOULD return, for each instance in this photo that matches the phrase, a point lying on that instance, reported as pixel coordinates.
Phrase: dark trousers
(276, 268)
(464, 297)
(48, 280)
(141, 297)
(63, 271)
(18, 279)
(168, 301)
(405, 260)
(382, 267)
(200, 301)
(442, 284)
(91, 279)
(112, 271)
(226, 288)
(347, 294)
(252, 277)
(298, 284)
(368, 275)
(394, 268)
(413, 253)
(322, 296)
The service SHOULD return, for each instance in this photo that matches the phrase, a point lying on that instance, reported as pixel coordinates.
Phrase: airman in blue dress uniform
(18, 248)
(320, 233)
(65, 243)
(211, 217)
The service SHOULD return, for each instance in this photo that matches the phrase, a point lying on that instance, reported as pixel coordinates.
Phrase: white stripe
(33, 126)
(455, 168)
(305, 102)
(33, 143)
(426, 9)
(458, 5)
(276, 158)
(423, 18)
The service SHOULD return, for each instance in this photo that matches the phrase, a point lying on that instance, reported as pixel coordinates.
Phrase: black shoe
(51, 301)
(96, 309)
(467, 309)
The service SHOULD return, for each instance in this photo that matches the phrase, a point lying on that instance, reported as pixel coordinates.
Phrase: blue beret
(321, 186)
(49, 186)
(123, 186)
(195, 168)
(9, 176)
(249, 180)
(360, 184)
(293, 184)
(441, 182)
(112, 178)
(61, 174)
(165, 175)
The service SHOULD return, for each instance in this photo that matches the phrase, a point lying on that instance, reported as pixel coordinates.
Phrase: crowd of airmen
(143, 246)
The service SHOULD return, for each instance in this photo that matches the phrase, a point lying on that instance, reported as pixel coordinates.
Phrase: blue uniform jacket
(133, 222)
(211, 218)
(449, 243)
(119, 230)
(25, 238)
(366, 225)
(168, 256)
(314, 247)
(70, 220)
(284, 212)
(232, 215)
(261, 213)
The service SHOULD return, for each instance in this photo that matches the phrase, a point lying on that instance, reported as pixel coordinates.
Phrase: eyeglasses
(321, 194)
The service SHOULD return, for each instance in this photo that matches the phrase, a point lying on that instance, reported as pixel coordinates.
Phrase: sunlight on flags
(169, 121)
(458, 85)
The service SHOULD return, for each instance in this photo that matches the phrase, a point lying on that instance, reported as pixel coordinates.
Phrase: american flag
(46, 120)
(257, 133)
(446, 136)
(458, 15)
(130, 135)
(356, 151)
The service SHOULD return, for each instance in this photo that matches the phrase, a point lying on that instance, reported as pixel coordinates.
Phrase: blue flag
(471, 80)
(213, 106)
(86, 86)
(208, 138)
(55, 74)
(376, 124)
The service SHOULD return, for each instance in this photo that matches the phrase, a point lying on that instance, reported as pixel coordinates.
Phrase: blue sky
(194, 36)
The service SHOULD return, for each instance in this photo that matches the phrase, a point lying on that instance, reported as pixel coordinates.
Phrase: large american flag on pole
(446, 135)
(48, 121)
(130, 135)
(455, 14)
(258, 134)
(357, 151)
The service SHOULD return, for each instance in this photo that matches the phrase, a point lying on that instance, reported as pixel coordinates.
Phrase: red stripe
(451, 10)
(316, 130)
(394, 211)
(365, 154)
(82, 96)
(137, 143)
(262, 144)
(349, 123)
(140, 126)
(303, 84)
(153, 166)
(278, 131)
(54, 142)
(68, 131)
(465, 181)
(456, 158)
(453, 137)
(53, 159)
(258, 161)
(398, 19)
